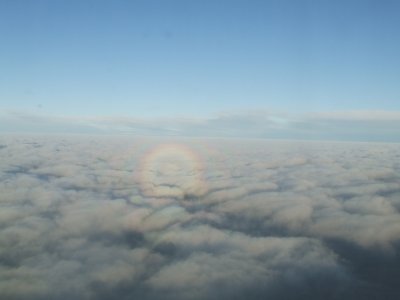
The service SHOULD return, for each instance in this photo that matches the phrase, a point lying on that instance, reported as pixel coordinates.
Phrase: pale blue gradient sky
(150, 59)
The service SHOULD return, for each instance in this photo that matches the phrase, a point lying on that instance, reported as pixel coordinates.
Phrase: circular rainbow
(172, 170)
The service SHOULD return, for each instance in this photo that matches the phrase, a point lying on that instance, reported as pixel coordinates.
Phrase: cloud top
(151, 218)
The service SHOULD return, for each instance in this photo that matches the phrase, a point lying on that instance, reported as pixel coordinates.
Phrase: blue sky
(198, 59)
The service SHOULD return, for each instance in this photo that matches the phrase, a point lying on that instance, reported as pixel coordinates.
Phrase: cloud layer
(381, 126)
(141, 218)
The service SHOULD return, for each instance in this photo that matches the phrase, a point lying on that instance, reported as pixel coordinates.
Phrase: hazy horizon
(266, 69)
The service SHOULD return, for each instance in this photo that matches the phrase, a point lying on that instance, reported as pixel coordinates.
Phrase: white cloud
(272, 218)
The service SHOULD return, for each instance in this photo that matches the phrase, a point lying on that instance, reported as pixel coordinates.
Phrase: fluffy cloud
(122, 218)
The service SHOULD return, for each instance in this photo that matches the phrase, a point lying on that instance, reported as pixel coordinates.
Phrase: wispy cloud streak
(341, 125)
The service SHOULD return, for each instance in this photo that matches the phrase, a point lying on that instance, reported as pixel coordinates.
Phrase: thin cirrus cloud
(340, 125)
(119, 218)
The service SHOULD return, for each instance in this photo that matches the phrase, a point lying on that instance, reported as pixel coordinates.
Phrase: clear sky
(187, 58)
